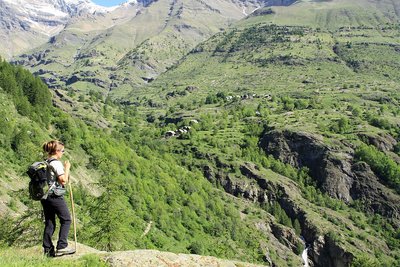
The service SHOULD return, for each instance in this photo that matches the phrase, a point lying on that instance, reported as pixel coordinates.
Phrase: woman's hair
(52, 146)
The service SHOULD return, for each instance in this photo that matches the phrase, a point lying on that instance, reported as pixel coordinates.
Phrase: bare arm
(63, 179)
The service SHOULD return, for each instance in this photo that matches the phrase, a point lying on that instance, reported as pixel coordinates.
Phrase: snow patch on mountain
(47, 17)
(55, 8)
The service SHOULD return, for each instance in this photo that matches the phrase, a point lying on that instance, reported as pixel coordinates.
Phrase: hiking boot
(49, 252)
(64, 251)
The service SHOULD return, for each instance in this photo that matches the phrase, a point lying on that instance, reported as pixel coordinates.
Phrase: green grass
(310, 64)
(13, 257)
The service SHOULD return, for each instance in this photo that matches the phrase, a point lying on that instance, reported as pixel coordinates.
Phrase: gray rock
(336, 173)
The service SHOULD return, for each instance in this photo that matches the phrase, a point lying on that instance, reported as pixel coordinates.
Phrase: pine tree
(297, 227)
(110, 220)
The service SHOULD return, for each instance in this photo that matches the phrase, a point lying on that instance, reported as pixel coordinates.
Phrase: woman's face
(59, 152)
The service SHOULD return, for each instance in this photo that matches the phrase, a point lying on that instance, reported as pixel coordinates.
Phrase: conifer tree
(110, 220)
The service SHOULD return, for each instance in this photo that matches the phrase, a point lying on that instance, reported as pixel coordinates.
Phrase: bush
(365, 261)
(340, 126)
(386, 168)
(382, 123)
(196, 247)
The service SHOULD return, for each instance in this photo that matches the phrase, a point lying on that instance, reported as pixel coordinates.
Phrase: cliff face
(305, 150)
(323, 250)
(335, 172)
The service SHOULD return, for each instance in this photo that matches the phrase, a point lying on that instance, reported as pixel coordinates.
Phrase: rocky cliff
(323, 250)
(334, 169)
(337, 174)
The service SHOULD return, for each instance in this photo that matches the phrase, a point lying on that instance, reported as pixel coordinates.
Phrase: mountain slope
(324, 93)
(26, 24)
(126, 173)
(304, 67)
(98, 54)
(282, 127)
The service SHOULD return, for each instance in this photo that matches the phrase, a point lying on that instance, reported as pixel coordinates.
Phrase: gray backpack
(39, 173)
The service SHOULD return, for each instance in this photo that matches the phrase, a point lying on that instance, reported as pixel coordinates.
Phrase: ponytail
(51, 147)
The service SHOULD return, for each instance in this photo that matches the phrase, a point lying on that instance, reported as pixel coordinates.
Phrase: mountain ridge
(180, 24)
(30, 19)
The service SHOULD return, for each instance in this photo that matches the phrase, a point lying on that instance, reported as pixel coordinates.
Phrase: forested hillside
(124, 181)
(279, 132)
(321, 98)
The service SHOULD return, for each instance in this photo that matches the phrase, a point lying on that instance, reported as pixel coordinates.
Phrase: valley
(238, 136)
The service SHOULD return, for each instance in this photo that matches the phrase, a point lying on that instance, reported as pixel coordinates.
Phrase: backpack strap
(49, 178)
(51, 168)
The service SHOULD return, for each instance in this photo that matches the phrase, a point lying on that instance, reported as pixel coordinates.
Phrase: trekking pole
(73, 210)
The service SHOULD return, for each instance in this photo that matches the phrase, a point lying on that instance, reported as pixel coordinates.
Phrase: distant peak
(146, 2)
(134, 3)
(130, 2)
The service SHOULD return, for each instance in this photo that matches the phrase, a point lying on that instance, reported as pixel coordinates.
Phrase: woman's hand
(67, 165)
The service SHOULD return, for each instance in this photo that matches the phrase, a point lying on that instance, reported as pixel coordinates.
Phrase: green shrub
(385, 167)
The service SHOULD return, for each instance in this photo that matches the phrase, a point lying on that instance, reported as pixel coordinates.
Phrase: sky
(108, 2)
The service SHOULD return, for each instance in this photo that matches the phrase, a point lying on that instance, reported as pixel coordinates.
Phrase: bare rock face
(376, 197)
(279, 2)
(327, 253)
(384, 142)
(286, 235)
(335, 171)
(323, 250)
(331, 169)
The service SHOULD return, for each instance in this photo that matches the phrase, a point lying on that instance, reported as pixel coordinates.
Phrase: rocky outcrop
(375, 196)
(62, 97)
(156, 258)
(88, 54)
(331, 169)
(257, 189)
(286, 236)
(326, 252)
(262, 12)
(32, 59)
(383, 142)
(335, 172)
(148, 258)
(71, 80)
(76, 78)
(279, 2)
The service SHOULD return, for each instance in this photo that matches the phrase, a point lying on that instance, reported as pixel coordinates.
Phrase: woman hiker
(55, 203)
